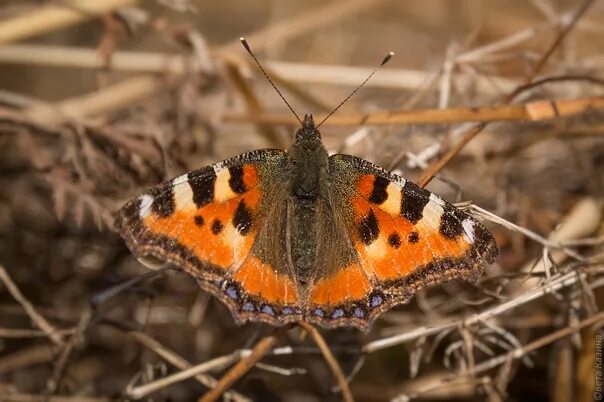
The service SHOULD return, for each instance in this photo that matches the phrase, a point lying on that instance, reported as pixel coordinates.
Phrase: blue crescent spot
(318, 313)
(337, 313)
(268, 310)
(376, 300)
(231, 291)
(248, 306)
(359, 313)
(287, 310)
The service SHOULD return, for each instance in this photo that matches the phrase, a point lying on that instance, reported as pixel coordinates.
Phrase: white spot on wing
(145, 205)
(431, 215)
(392, 205)
(222, 189)
(468, 228)
(183, 195)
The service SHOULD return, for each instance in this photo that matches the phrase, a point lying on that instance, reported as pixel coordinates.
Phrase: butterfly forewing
(207, 222)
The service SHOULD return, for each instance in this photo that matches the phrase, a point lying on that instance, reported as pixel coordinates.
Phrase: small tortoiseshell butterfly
(281, 236)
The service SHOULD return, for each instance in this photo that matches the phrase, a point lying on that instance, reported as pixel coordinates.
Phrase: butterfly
(281, 236)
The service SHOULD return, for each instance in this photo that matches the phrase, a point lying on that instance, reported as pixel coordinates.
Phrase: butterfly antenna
(249, 50)
(386, 60)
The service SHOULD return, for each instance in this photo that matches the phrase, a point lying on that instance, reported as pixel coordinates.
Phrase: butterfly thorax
(308, 162)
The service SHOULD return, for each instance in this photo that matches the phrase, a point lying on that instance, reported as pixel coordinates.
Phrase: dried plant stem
(53, 383)
(56, 16)
(515, 354)
(129, 91)
(331, 360)
(553, 285)
(181, 363)
(559, 38)
(56, 398)
(316, 18)
(254, 106)
(143, 390)
(244, 365)
(479, 53)
(29, 333)
(539, 343)
(54, 334)
(532, 111)
(429, 173)
(41, 353)
(93, 104)
(150, 62)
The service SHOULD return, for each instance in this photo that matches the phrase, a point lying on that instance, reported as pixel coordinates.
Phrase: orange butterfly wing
(206, 222)
(405, 238)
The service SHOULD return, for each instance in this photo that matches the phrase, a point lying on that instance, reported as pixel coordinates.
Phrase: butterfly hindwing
(339, 287)
(207, 222)
(404, 238)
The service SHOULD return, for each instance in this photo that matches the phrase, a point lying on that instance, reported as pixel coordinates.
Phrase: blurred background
(101, 99)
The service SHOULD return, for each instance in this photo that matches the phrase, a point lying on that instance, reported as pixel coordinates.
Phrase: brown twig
(331, 360)
(429, 173)
(50, 18)
(40, 321)
(181, 363)
(108, 99)
(244, 365)
(26, 357)
(133, 89)
(312, 20)
(283, 73)
(19, 397)
(515, 354)
(559, 38)
(54, 382)
(217, 363)
(253, 104)
(29, 333)
(555, 284)
(532, 111)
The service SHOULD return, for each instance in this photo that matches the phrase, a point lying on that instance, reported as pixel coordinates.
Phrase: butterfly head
(308, 131)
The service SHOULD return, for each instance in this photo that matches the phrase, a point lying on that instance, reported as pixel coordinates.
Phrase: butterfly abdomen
(303, 235)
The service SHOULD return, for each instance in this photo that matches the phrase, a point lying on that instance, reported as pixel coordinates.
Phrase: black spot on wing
(163, 200)
(202, 186)
(368, 228)
(242, 221)
(394, 240)
(198, 220)
(413, 237)
(217, 226)
(413, 201)
(236, 179)
(450, 223)
(379, 193)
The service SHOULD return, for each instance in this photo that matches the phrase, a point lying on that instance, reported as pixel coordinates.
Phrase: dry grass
(499, 103)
